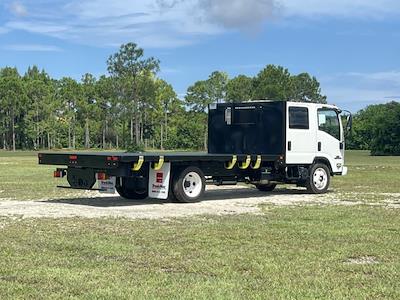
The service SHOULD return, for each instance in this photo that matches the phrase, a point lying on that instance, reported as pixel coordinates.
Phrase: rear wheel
(266, 187)
(319, 179)
(132, 188)
(189, 185)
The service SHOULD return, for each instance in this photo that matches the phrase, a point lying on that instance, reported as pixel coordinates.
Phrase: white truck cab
(315, 136)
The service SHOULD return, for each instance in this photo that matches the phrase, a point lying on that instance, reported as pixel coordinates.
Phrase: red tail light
(113, 158)
(59, 173)
(73, 157)
(102, 176)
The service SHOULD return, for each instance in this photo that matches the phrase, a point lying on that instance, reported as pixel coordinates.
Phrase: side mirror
(349, 123)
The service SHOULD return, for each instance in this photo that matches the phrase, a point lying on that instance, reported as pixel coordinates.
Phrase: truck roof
(297, 103)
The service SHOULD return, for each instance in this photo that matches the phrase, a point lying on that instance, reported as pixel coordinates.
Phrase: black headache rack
(247, 128)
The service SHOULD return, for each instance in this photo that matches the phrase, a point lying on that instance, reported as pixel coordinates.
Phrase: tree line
(377, 128)
(132, 108)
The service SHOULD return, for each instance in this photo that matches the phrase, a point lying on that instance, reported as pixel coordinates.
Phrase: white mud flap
(107, 186)
(159, 182)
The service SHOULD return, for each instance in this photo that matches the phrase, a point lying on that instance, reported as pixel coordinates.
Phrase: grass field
(312, 251)
(22, 178)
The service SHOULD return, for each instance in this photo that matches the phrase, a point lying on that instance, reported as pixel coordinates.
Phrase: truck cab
(314, 132)
(315, 137)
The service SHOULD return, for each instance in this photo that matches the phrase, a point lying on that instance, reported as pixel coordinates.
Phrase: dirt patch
(363, 260)
(217, 201)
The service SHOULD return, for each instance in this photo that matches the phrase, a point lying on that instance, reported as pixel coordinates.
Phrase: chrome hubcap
(192, 184)
(320, 178)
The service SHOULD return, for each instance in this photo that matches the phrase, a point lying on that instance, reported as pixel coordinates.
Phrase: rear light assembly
(73, 159)
(112, 158)
(102, 176)
(59, 173)
(112, 161)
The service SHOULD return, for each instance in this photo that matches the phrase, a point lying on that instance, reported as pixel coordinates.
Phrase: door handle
(341, 145)
(319, 146)
(289, 146)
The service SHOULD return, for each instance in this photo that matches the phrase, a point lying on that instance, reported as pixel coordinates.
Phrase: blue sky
(352, 47)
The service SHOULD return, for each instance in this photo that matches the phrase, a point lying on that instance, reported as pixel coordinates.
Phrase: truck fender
(323, 160)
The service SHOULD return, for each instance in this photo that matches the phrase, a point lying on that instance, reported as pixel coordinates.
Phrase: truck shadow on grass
(225, 194)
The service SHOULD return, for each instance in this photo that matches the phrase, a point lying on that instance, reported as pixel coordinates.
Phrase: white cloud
(355, 99)
(32, 48)
(239, 13)
(150, 23)
(172, 23)
(18, 9)
(342, 8)
(355, 90)
(110, 23)
(387, 77)
(3, 30)
(38, 27)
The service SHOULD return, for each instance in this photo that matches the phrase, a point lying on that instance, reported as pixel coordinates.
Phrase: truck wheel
(189, 185)
(131, 193)
(266, 187)
(319, 179)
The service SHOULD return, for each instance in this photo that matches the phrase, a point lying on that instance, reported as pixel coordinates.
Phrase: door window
(328, 121)
(298, 118)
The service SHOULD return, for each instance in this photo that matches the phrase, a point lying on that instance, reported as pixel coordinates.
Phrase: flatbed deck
(111, 159)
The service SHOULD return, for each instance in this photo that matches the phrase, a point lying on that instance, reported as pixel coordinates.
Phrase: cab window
(298, 118)
(328, 121)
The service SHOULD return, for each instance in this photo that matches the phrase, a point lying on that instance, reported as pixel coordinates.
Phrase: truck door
(300, 134)
(330, 137)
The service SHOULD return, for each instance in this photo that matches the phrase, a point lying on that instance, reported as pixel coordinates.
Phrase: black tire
(130, 193)
(192, 192)
(319, 179)
(266, 187)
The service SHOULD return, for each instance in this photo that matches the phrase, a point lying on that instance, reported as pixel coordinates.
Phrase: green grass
(21, 178)
(370, 178)
(286, 253)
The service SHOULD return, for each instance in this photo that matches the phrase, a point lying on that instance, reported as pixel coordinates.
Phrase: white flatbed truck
(262, 143)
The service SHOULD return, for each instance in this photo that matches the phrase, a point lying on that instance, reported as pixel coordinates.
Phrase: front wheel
(319, 179)
(189, 185)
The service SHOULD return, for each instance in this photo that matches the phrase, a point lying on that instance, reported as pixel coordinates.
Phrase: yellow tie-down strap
(137, 166)
(232, 163)
(244, 165)
(257, 164)
(157, 166)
